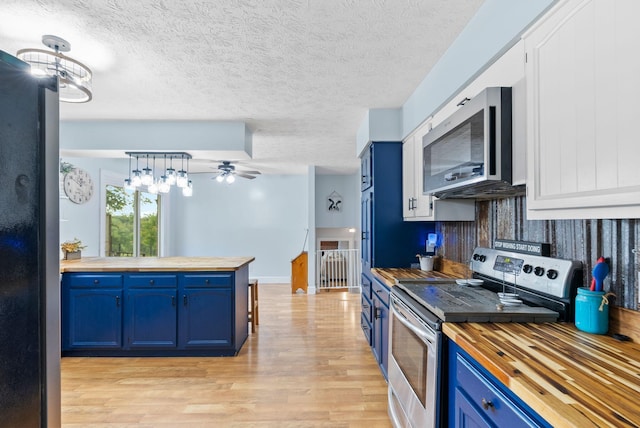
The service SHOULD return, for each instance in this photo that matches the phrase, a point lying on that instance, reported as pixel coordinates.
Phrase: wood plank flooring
(308, 365)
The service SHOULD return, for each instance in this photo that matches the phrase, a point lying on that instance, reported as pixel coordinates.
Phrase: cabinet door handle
(96, 281)
(206, 281)
(414, 201)
(184, 299)
(151, 281)
(173, 300)
(486, 404)
(378, 313)
(364, 179)
(117, 300)
(364, 236)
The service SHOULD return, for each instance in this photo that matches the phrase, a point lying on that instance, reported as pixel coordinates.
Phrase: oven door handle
(418, 332)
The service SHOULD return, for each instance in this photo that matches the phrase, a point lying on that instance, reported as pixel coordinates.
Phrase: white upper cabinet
(583, 89)
(416, 205)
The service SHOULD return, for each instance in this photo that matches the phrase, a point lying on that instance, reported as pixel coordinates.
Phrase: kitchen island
(154, 306)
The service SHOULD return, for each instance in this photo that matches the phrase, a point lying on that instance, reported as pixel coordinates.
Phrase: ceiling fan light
(230, 178)
(220, 178)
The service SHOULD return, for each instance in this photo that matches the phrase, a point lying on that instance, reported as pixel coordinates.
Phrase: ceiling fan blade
(240, 174)
(247, 172)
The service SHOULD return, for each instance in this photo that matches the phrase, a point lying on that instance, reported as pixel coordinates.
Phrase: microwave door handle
(405, 321)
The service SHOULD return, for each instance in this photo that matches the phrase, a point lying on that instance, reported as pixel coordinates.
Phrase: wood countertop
(571, 378)
(390, 275)
(153, 264)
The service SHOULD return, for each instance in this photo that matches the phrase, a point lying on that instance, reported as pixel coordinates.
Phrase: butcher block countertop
(153, 264)
(389, 275)
(571, 378)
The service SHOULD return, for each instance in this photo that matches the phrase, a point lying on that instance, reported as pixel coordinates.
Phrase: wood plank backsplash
(583, 240)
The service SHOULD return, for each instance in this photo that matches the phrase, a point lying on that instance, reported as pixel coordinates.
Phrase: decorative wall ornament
(334, 202)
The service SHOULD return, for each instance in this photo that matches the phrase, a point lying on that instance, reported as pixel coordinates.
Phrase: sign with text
(525, 247)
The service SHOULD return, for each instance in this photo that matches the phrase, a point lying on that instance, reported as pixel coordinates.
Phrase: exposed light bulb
(171, 176)
(147, 176)
(182, 180)
(230, 178)
(163, 185)
(153, 188)
(188, 189)
(136, 178)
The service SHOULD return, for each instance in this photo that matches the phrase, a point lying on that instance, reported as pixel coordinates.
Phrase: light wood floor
(308, 365)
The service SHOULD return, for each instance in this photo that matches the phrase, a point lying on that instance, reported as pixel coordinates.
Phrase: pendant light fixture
(163, 184)
(74, 78)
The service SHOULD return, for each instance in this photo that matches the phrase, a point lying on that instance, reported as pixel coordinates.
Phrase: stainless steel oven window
(411, 354)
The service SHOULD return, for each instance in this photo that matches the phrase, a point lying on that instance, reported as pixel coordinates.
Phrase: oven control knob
(538, 271)
(476, 256)
(482, 258)
(552, 274)
(527, 268)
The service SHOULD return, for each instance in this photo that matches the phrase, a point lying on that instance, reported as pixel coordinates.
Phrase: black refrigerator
(29, 252)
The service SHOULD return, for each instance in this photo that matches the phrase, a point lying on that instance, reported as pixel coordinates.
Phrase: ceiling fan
(227, 172)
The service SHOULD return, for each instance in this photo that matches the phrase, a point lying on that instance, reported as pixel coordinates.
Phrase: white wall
(83, 221)
(265, 218)
(348, 187)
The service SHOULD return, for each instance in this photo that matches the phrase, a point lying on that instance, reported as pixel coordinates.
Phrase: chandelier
(162, 181)
(74, 78)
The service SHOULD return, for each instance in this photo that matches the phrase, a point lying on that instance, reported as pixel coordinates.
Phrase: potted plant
(72, 249)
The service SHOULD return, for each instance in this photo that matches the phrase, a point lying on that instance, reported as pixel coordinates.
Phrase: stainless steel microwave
(469, 154)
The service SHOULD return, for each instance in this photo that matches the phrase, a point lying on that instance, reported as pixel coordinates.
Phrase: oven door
(414, 360)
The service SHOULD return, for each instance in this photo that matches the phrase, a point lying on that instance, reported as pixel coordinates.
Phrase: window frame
(115, 179)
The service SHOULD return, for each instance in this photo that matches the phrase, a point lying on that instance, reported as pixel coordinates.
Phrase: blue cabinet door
(151, 318)
(380, 339)
(206, 317)
(92, 318)
(467, 414)
(478, 399)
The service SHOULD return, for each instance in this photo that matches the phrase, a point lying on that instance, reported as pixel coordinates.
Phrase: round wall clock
(78, 186)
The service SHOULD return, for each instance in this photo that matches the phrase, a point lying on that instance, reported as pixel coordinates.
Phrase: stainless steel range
(502, 286)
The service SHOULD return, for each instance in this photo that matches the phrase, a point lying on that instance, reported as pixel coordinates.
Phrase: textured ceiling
(300, 73)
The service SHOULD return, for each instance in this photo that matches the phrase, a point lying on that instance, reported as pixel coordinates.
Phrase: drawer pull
(184, 299)
(117, 300)
(206, 281)
(151, 281)
(487, 404)
(96, 281)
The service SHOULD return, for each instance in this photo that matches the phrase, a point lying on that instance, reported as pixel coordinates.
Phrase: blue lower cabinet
(380, 322)
(206, 316)
(151, 318)
(478, 399)
(92, 318)
(154, 314)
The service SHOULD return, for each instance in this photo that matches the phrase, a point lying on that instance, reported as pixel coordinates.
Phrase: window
(131, 223)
